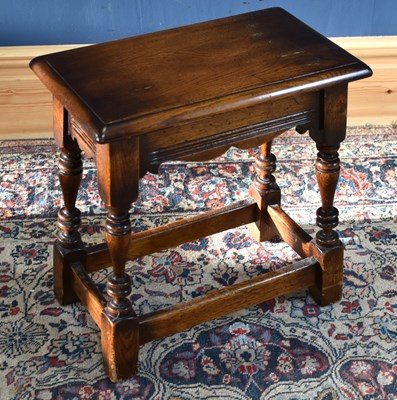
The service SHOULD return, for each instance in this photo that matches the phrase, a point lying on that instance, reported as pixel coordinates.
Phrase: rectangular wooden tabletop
(195, 70)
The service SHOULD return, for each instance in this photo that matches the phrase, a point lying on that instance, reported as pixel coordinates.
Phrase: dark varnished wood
(68, 247)
(118, 174)
(120, 345)
(62, 261)
(265, 191)
(327, 173)
(288, 230)
(190, 94)
(233, 298)
(70, 169)
(207, 138)
(118, 165)
(328, 136)
(178, 232)
(87, 292)
(161, 79)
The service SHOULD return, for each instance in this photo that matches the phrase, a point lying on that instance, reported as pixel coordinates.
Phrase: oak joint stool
(190, 94)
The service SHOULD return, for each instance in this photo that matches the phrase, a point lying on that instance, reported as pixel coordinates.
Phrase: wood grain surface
(26, 105)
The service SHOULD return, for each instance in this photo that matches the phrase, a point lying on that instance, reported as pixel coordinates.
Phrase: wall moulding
(26, 105)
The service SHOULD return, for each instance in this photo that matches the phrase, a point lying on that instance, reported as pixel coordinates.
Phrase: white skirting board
(26, 105)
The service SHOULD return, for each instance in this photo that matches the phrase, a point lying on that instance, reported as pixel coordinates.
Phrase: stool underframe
(320, 269)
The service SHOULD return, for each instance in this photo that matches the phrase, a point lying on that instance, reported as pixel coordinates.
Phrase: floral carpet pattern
(285, 348)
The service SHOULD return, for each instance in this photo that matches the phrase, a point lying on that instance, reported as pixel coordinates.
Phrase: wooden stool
(189, 94)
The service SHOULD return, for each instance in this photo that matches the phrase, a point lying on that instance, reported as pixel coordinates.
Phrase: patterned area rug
(286, 348)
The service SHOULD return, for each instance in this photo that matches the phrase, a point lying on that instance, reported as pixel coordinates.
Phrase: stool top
(144, 83)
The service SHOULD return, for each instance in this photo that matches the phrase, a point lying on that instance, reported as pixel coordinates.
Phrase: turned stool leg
(328, 248)
(120, 335)
(327, 174)
(118, 186)
(70, 168)
(265, 191)
(68, 247)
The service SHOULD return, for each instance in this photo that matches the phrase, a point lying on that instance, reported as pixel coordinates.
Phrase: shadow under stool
(190, 94)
